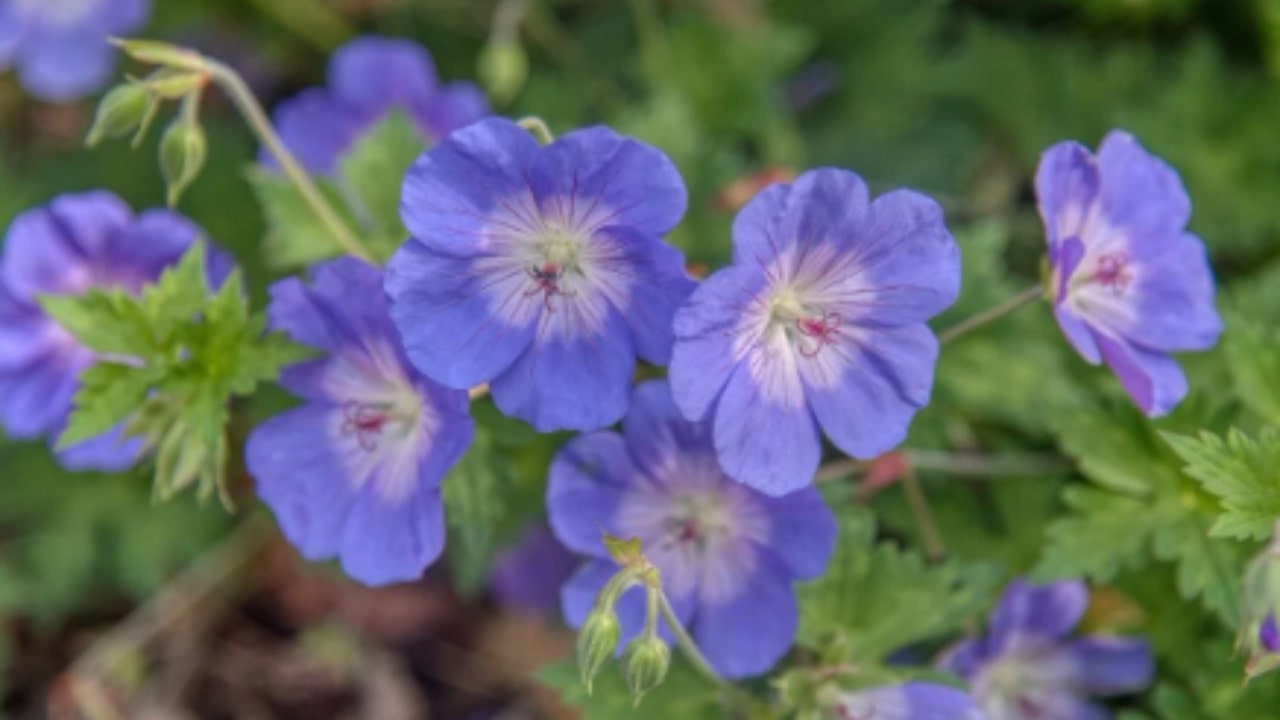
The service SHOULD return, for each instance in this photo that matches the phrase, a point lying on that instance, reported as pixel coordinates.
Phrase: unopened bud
(120, 111)
(503, 69)
(183, 149)
(176, 85)
(597, 642)
(161, 53)
(644, 665)
(1259, 633)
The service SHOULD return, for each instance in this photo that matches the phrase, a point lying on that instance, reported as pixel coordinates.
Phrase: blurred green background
(956, 99)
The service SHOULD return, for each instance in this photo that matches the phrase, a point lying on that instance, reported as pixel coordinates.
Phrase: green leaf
(295, 236)
(474, 493)
(172, 302)
(1239, 471)
(1103, 533)
(1207, 568)
(108, 395)
(875, 599)
(373, 172)
(108, 322)
(683, 694)
(1253, 355)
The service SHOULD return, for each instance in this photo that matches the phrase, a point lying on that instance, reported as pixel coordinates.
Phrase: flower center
(556, 252)
(369, 422)
(1113, 272)
(696, 520)
(807, 328)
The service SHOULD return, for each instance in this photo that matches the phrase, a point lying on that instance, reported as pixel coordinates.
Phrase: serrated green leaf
(1207, 568)
(295, 236)
(373, 172)
(108, 322)
(878, 599)
(1253, 354)
(171, 303)
(1116, 450)
(1242, 473)
(474, 492)
(108, 395)
(683, 694)
(1104, 533)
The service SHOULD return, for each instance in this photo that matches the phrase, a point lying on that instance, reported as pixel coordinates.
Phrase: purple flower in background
(1130, 284)
(355, 472)
(728, 554)
(368, 78)
(60, 46)
(73, 244)
(539, 270)
(1027, 668)
(908, 701)
(528, 576)
(819, 323)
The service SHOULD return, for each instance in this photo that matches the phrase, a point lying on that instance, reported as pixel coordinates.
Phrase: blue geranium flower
(819, 323)
(1027, 668)
(907, 701)
(368, 78)
(539, 270)
(1130, 284)
(727, 555)
(355, 471)
(60, 46)
(527, 577)
(73, 244)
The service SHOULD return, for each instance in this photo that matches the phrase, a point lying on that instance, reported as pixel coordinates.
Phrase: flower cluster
(60, 47)
(75, 243)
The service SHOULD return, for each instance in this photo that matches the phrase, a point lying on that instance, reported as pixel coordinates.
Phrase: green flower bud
(1259, 630)
(172, 85)
(644, 665)
(161, 53)
(597, 642)
(183, 149)
(120, 111)
(503, 69)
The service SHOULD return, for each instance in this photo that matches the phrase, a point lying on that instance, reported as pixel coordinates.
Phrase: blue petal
(110, 452)
(908, 258)
(657, 432)
(747, 635)
(703, 357)
(456, 327)
(344, 307)
(910, 701)
(470, 188)
(1154, 380)
(1112, 665)
(567, 381)
(772, 446)
(317, 129)
(302, 479)
(450, 107)
(657, 285)
(826, 204)
(1141, 194)
(376, 73)
(36, 400)
(384, 543)
(1174, 297)
(586, 481)
(47, 249)
(865, 400)
(595, 177)
(1066, 185)
(802, 532)
(1046, 611)
(62, 66)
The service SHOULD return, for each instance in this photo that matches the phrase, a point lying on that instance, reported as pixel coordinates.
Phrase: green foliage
(1242, 473)
(1253, 356)
(682, 695)
(295, 236)
(876, 598)
(172, 359)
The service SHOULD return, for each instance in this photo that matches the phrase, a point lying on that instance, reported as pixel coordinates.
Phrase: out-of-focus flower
(528, 577)
(60, 47)
(1130, 284)
(819, 324)
(727, 555)
(355, 472)
(368, 78)
(908, 701)
(75, 243)
(1029, 668)
(539, 270)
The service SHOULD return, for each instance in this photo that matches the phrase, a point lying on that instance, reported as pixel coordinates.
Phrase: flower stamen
(1113, 272)
(546, 278)
(817, 332)
(366, 422)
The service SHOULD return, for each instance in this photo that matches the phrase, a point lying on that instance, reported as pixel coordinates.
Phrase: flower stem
(687, 645)
(258, 121)
(1025, 297)
(934, 547)
(537, 127)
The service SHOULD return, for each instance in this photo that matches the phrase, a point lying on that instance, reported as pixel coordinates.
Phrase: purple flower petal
(802, 532)
(749, 633)
(704, 356)
(372, 73)
(1154, 381)
(1174, 295)
(35, 400)
(528, 576)
(909, 258)
(909, 701)
(1142, 195)
(450, 107)
(1044, 611)
(569, 379)
(46, 248)
(584, 486)
(866, 405)
(595, 177)
(317, 130)
(109, 452)
(469, 191)
(657, 285)
(769, 442)
(1113, 666)
(1066, 185)
(388, 542)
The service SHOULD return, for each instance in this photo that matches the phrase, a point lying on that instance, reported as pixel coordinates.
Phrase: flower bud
(183, 149)
(175, 85)
(644, 665)
(120, 111)
(597, 642)
(1259, 633)
(503, 69)
(161, 53)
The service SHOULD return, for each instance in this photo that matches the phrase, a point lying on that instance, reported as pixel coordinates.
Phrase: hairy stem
(1025, 297)
(258, 121)
(686, 643)
(934, 547)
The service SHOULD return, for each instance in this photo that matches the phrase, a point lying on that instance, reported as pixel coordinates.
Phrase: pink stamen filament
(366, 421)
(823, 330)
(546, 280)
(1112, 272)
